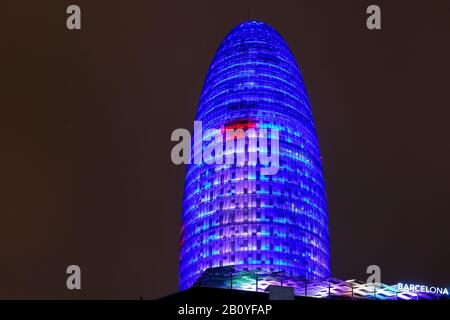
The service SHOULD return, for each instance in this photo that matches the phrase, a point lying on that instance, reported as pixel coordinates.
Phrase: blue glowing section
(234, 215)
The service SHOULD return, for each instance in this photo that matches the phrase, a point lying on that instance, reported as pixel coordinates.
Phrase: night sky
(87, 117)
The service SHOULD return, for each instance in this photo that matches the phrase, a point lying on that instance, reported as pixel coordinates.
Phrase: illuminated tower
(234, 215)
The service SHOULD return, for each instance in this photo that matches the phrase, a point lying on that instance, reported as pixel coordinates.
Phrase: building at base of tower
(262, 281)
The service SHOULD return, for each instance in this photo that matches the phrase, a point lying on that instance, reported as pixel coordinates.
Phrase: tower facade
(233, 214)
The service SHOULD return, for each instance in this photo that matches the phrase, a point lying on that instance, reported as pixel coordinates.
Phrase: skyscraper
(233, 214)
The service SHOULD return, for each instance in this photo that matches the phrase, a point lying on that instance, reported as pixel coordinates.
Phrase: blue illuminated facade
(233, 214)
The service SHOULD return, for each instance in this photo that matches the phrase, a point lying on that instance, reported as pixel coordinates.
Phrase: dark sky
(87, 116)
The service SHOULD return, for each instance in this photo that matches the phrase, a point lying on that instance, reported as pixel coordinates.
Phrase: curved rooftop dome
(249, 57)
